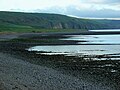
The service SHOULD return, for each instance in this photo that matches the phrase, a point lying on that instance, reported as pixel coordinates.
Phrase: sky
(77, 8)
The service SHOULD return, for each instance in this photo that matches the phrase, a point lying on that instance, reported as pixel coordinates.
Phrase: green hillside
(35, 21)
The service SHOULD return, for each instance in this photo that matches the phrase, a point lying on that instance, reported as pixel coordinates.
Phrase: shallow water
(79, 49)
(106, 30)
(96, 39)
(95, 45)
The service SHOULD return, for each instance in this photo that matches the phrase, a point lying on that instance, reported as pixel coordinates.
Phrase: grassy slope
(40, 22)
(7, 28)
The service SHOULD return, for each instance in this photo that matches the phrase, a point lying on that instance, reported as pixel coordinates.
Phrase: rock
(2, 85)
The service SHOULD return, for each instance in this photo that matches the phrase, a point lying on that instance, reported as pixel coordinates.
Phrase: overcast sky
(79, 8)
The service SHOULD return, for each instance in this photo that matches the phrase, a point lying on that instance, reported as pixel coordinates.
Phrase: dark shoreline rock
(67, 65)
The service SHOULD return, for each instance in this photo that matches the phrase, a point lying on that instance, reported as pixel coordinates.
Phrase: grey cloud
(103, 13)
(102, 1)
(112, 1)
(51, 10)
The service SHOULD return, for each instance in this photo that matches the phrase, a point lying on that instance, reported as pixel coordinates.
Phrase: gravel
(16, 74)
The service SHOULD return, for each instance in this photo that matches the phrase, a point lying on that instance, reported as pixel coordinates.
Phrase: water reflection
(78, 49)
(106, 30)
(96, 39)
(110, 46)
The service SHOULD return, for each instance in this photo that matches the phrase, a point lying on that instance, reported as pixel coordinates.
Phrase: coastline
(18, 73)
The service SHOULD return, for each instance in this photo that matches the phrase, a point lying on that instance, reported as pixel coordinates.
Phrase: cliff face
(55, 21)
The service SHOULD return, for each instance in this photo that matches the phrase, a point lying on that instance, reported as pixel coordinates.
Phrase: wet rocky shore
(103, 75)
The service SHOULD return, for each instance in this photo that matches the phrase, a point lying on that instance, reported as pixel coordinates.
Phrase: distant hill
(54, 21)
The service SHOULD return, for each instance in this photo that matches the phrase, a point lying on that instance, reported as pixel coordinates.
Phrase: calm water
(106, 30)
(96, 39)
(78, 49)
(106, 44)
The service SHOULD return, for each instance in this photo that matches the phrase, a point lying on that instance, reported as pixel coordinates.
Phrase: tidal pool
(78, 49)
(94, 45)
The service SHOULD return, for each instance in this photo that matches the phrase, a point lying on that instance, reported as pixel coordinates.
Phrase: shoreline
(17, 73)
(26, 76)
(69, 33)
(8, 36)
